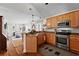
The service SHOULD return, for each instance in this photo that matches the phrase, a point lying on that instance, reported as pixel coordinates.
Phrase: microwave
(64, 24)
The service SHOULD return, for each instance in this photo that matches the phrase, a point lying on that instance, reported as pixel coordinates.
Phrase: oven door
(62, 40)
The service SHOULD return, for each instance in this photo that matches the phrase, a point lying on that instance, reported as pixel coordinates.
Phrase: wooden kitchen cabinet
(50, 38)
(54, 21)
(41, 38)
(59, 19)
(74, 17)
(31, 43)
(66, 17)
(49, 23)
(74, 43)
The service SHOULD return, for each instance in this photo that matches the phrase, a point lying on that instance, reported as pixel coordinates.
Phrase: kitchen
(55, 33)
(61, 31)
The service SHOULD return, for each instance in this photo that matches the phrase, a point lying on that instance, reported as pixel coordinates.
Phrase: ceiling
(20, 7)
(55, 8)
(40, 9)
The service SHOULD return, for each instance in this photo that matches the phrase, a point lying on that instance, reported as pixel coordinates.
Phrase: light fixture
(30, 8)
(40, 17)
(46, 3)
(32, 15)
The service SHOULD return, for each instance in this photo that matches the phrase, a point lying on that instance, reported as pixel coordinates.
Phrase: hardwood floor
(14, 48)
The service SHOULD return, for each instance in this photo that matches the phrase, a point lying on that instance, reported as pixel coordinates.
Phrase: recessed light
(30, 8)
(32, 15)
(40, 17)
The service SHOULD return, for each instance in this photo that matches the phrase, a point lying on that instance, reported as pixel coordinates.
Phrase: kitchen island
(31, 42)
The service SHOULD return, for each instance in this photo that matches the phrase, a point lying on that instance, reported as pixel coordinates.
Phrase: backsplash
(73, 30)
(51, 30)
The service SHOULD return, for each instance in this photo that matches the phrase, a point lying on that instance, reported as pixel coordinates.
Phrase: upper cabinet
(49, 23)
(73, 17)
(59, 19)
(66, 16)
(54, 21)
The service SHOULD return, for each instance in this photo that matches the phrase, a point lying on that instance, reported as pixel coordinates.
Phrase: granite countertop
(35, 34)
(73, 33)
(50, 32)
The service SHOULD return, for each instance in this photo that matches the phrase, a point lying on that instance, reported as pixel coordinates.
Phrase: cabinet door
(59, 19)
(74, 43)
(41, 38)
(49, 23)
(31, 43)
(66, 17)
(50, 38)
(74, 16)
(54, 21)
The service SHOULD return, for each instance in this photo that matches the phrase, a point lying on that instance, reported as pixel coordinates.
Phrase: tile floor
(49, 50)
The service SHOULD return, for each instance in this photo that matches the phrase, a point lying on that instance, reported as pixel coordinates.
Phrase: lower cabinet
(74, 43)
(41, 38)
(31, 43)
(50, 38)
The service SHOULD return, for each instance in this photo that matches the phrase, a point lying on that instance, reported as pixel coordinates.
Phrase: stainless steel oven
(62, 39)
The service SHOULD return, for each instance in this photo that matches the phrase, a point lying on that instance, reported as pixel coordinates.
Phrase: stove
(62, 39)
